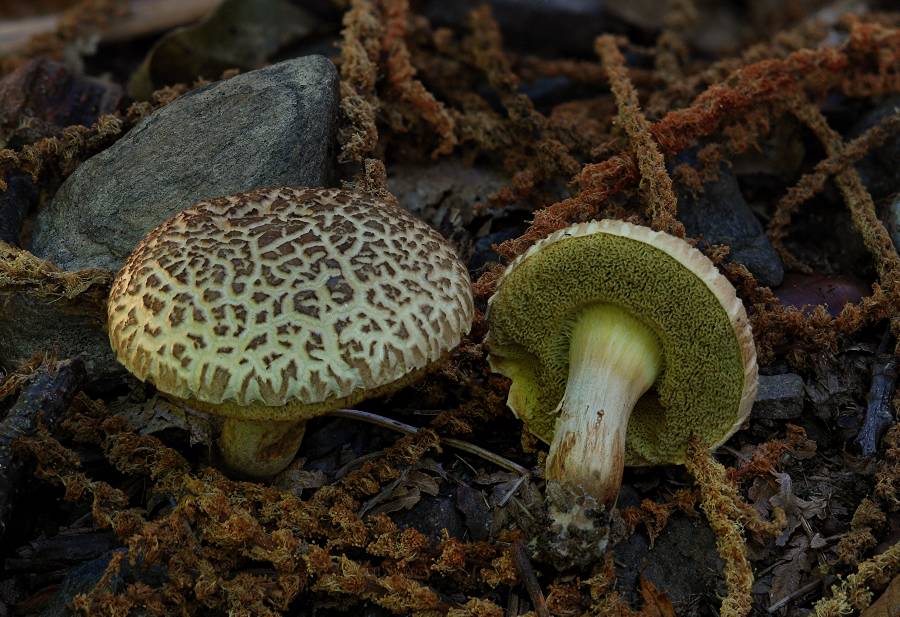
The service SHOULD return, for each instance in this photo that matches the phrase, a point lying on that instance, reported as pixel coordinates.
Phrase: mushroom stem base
(613, 360)
(259, 448)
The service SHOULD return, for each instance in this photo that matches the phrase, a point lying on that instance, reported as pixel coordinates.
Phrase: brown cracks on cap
(287, 296)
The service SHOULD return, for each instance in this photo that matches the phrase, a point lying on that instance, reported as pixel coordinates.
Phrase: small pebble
(810, 290)
(779, 397)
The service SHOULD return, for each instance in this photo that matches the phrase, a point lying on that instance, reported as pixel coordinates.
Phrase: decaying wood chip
(49, 394)
(879, 411)
(143, 17)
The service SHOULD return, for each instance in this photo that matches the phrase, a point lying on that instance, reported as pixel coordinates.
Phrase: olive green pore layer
(532, 313)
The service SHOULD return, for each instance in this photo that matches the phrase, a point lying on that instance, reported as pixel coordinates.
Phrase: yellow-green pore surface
(700, 386)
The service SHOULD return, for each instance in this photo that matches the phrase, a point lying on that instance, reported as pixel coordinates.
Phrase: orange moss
(659, 196)
(655, 516)
(360, 52)
(813, 182)
(766, 457)
(717, 499)
(401, 76)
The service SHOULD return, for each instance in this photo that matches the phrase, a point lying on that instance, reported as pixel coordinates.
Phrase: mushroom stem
(613, 360)
(259, 448)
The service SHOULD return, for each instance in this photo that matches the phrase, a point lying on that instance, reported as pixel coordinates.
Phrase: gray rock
(445, 193)
(270, 127)
(19, 197)
(720, 215)
(84, 577)
(79, 579)
(780, 397)
(878, 169)
(477, 514)
(29, 325)
(241, 34)
(431, 516)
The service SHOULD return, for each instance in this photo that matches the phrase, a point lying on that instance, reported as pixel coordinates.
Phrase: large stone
(721, 215)
(241, 34)
(270, 127)
(30, 324)
(878, 169)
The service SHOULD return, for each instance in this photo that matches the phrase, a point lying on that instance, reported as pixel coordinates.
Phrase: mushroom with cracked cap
(276, 305)
(621, 343)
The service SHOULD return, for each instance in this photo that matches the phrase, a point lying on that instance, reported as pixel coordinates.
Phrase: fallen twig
(529, 579)
(879, 414)
(142, 17)
(797, 593)
(406, 429)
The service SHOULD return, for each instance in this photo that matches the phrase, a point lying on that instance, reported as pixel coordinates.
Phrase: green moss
(700, 385)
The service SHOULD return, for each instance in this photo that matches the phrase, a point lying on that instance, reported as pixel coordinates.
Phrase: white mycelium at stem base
(613, 360)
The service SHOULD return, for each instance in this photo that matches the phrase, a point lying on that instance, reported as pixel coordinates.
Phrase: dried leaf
(795, 507)
(787, 576)
(158, 414)
(240, 34)
(422, 481)
(403, 498)
(656, 603)
(295, 479)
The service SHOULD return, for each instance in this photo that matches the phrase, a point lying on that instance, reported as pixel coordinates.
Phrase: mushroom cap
(283, 303)
(708, 378)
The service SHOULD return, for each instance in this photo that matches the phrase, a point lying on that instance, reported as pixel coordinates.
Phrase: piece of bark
(143, 17)
(59, 552)
(529, 578)
(879, 413)
(49, 393)
(43, 96)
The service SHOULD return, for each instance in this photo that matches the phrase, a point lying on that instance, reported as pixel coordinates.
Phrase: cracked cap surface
(708, 380)
(282, 303)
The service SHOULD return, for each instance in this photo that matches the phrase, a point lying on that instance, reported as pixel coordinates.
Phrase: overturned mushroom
(273, 306)
(621, 343)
